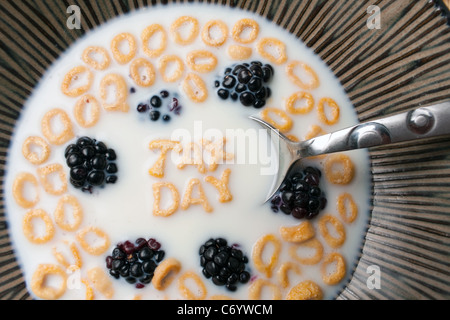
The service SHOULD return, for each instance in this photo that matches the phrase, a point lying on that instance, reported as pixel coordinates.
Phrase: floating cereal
(298, 233)
(333, 241)
(79, 111)
(188, 200)
(222, 185)
(239, 28)
(19, 188)
(309, 259)
(296, 98)
(157, 170)
(93, 240)
(163, 65)
(339, 269)
(237, 52)
(101, 281)
(335, 111)
(282, 273)
(32, 156)
(195, 88)
(304, 68)
(200, 290)
(157, 211)
(74, 75)
(147, 34)
(117, 84)
(306, 290)
(99, 51)
(284, 125)
(89, 291)
(28, 226)
(272, 49)
(146, 79)
(339, 169)
(68, 224)
(52, 187)
(256, 288)
(347, 208)
(75, 254)
(181, 22)
(314, 131)
(39, 285)
(257, 254)
(192, 155)
(215, 41)
(48, 131)
(117, 42)
(165, 273)
(208, 61)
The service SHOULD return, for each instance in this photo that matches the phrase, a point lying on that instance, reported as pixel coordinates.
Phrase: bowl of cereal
(132, 169)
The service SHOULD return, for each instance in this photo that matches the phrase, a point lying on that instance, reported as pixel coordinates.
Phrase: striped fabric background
(404, 64)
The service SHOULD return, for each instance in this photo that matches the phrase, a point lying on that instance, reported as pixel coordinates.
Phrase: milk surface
(124, 210)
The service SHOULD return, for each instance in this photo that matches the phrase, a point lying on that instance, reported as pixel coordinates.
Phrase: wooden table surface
(447, 3)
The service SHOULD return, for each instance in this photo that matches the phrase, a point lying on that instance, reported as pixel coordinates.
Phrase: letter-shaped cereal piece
(266, 267)
(101, 281)
(188, 200)
(306, 290)
(157, 211)
(157, 170)
(298, 233)
(222, 185)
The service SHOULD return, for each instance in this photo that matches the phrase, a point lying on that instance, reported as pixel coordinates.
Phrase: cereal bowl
(361, 61)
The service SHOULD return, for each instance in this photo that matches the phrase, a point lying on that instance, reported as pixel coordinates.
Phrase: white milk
(124, 210)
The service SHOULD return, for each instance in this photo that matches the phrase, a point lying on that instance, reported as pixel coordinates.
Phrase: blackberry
(300, 195)
(91, 164)
(247, 83)
(160, 106)
(135, 262)
(224, 265)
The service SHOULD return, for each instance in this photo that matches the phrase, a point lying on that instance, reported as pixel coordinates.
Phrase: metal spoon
(424, 122)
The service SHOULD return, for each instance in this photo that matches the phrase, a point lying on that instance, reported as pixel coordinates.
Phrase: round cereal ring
(60, 213)
(19, 188)
(209, 64)
(215, 41)
(74, 75)
(239, 28)
(46, 126)
(298, 233)
(92, 62)
(198, 293)
(274, 45)
(79, 111)
(295, 98)
(334, 242)
(101, 281)
(237, 52)
(313, 82)
(282, 273)
(94, 247)
(28, 226)
(339, 169)
(258, 250)
(339, 271)
(195, 88)
(309, 260)
(39, 285)
(286, 123)
(32, 156)
(50, 186)
(121, 93)
(164, 62)
(306, 290)
(165, 273)
(348, 213)
(143, 80)
(77, 263)
(256, 288)
(116, 42)
(181, 22)
(147, 34)
(335, 111)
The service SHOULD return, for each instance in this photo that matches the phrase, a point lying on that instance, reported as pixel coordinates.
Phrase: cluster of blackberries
(246, 82)
(91, 164)
(300, 195)
(161, 106)
(225, 265)
(135, 262)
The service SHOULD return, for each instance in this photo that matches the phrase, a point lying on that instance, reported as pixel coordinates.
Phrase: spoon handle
(424, 122)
